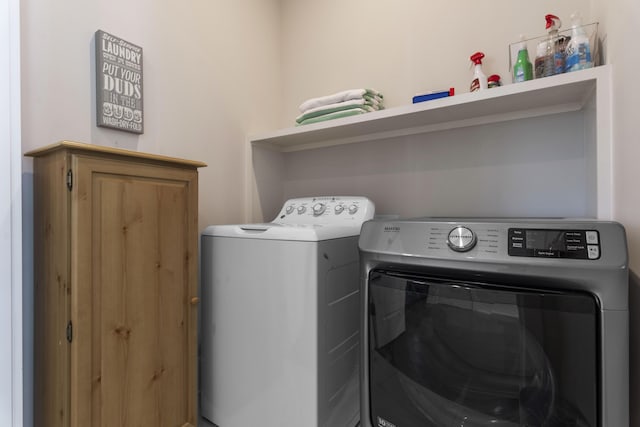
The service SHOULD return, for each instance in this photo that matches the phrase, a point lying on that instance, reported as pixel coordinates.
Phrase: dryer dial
(301, 209)
(461, 239)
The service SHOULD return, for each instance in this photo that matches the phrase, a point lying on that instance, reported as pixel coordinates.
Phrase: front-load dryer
(494, 322)
(280, 317)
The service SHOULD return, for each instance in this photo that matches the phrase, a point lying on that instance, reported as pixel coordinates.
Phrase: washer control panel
(574, 244)
(324, 210)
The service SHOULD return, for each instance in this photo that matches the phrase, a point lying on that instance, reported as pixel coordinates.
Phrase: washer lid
(273, 231)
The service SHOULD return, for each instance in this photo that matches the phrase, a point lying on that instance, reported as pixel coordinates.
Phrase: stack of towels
(341, 104)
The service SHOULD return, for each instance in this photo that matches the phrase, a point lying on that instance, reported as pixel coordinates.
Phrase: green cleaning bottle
(522, 69)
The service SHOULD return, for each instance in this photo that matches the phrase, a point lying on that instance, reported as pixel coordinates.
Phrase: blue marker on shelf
(436, 94)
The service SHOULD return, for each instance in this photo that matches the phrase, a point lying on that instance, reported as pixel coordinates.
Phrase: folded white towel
(345, 95)
(344, 104)
(330, 116)
(374, 100)
(362, 103)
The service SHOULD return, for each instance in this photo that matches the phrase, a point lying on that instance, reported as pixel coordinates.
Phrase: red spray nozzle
(553, 22)
(476, 58)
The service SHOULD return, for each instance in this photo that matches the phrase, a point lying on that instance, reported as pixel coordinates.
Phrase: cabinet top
(79, 147)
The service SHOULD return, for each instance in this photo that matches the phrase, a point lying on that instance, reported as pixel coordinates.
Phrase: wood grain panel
(142, 355)
(144, 337)
(51, 288)
(173, 304)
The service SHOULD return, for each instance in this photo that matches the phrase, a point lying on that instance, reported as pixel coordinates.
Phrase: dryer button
(593, 251)
(592, 237)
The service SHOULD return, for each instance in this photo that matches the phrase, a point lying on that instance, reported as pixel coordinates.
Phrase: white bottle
(554, 60)
(541, 56)
(579, 49)
(479, 81)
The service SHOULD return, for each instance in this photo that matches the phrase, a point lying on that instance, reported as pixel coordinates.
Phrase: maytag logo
(384, 423)
(391, 228)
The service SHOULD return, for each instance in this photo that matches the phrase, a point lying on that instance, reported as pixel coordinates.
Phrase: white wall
(211, 75)
(621, 28)
(473, 171)
(402, 47)
(11, 372)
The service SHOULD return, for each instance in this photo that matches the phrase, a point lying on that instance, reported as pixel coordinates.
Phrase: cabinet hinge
(69, 179)
(69, 331)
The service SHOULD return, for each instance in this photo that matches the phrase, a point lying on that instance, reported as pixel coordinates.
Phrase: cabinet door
(134, 246)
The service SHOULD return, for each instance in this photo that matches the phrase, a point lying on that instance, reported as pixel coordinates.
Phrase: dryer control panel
(541, 241)
(575, 244)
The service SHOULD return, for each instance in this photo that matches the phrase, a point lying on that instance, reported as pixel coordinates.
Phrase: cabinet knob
(195, 301)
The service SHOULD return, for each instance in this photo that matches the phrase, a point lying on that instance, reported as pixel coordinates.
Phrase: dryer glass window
(450, 353)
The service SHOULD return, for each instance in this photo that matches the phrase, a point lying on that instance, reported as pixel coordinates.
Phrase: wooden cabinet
(115, 288)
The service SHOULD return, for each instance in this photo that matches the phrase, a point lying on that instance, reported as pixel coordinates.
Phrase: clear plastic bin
(564, 36)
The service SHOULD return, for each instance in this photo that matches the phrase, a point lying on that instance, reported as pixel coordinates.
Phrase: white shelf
(551, 95)
(271, 172)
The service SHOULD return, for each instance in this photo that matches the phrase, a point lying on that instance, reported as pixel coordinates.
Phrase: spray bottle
(554, 56)
(522, 69)
(541, 53)
(479, 81)
(578, 50)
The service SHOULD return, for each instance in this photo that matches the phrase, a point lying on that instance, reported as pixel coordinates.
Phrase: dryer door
(451, 353)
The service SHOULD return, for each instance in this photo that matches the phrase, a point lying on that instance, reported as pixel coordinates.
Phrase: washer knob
(289, 209)
(301, 209)
(339, 209)
(353, 209)
(461, 239)
(318, 209)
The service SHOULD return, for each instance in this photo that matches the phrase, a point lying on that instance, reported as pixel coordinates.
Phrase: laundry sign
(119, 100)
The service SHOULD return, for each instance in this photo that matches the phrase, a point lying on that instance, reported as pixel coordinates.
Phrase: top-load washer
(281, 317)
(504, 322)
